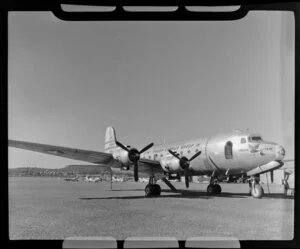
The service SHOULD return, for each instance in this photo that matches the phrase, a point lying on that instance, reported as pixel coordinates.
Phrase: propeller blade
(194, 156)
(146, 148)
(111, 180)
(174, 154)
(187, 181)
(136, 173)
(122, 146)
(272, 176)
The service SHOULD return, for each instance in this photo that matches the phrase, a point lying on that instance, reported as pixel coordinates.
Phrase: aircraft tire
(210, 189)
(217, 189)
(157, 190)
(257, 191)
(149, 190)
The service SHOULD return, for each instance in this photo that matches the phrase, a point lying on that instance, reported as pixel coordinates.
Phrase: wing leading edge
(71, 153)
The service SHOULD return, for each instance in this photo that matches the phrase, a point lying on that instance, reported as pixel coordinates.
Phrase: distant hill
(65, 171)
(91, 169)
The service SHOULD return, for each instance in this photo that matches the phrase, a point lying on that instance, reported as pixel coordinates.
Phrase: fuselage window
(228, 150)
(243, 140)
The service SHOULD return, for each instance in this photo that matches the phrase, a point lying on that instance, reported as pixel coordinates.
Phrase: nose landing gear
(255, 189)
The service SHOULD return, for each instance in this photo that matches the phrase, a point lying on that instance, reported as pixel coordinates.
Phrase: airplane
(236, 153)
(91, 179)
(72, 179)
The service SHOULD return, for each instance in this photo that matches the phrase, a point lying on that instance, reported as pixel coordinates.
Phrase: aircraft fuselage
(229, 153)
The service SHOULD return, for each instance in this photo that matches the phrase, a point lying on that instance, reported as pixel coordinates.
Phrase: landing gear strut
(255, 189)
(152, 189)
(213, 187)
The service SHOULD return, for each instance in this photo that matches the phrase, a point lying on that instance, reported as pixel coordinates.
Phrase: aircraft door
(228, 150)
(221, 152)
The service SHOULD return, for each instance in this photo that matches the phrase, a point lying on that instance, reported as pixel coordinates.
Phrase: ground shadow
(228, 194)
(137, 197)
(187, 194)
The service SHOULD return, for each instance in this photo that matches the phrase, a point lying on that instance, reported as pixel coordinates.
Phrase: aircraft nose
(280, 152)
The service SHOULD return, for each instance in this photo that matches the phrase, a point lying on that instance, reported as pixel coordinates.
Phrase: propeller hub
(184, 163)
(133, 155)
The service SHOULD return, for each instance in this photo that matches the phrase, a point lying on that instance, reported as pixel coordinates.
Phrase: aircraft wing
(145, 165)
(75, 154)
(146, 168)
(149, 166)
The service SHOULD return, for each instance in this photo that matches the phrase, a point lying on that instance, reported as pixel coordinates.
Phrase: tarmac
(51, 208)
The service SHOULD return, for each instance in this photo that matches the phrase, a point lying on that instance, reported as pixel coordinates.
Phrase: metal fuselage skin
(229, 154)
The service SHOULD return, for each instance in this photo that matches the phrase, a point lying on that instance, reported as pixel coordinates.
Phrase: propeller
(185, 164)
(134, 156)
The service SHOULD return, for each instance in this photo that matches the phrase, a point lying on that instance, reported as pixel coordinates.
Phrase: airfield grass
(51, 208)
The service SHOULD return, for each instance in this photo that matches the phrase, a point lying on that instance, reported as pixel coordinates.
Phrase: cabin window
(243, 140)
(228, 150)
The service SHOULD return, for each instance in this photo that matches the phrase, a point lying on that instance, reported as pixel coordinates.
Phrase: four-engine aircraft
(237, 153)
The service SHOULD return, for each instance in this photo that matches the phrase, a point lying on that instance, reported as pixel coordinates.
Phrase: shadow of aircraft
(187, 194)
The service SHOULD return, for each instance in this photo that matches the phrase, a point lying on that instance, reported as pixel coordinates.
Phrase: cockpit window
(243, 140)
(255, 138)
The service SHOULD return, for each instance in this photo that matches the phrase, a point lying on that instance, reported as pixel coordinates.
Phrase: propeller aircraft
(236, 153)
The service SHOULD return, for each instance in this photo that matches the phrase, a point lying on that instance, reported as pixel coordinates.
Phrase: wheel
(149, 190)
(210, 189)
(257, 191)
(157, 190)
(217, 189)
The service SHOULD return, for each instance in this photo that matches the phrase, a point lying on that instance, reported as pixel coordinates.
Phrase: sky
(152, 81)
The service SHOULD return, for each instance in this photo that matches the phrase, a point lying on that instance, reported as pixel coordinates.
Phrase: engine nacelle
(122, 157)
(171, 165)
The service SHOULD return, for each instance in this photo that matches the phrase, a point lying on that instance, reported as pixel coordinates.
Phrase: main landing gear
(213, 187)
(255, 189)
(152, 189)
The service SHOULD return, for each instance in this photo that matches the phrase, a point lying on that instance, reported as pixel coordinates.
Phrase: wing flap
(150, 166)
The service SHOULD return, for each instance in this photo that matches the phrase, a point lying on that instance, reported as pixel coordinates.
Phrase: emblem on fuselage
(253, 148)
